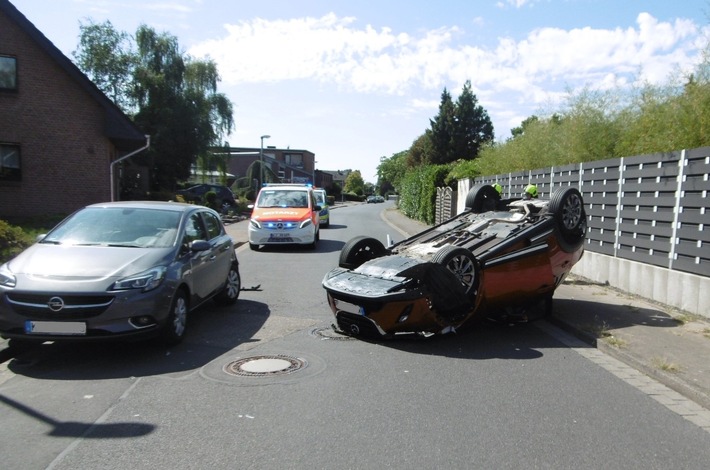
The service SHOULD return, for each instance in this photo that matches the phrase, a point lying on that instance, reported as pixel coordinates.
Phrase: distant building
(338, 176)
(60, 136)
(290, 165)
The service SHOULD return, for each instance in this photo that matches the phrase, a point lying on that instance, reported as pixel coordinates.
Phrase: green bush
(12, 241)
(417, 195)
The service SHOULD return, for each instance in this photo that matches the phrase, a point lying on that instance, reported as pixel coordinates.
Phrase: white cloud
(535, 69)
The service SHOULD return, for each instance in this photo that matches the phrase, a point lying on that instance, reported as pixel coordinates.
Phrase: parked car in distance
(499, 259)
(284, 214)
(197, 193)
(322, 201)
(119, 270)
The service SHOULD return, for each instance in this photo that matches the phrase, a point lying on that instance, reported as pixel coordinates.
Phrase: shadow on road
(212, 332)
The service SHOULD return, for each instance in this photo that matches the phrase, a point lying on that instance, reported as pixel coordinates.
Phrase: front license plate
(348, 307)
(280, 235)
(55, 327)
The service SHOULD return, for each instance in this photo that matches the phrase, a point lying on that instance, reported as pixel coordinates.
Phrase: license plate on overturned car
(55, 327)
(348, 307)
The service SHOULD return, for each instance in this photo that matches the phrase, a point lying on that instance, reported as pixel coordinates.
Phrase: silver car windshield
(115, 226)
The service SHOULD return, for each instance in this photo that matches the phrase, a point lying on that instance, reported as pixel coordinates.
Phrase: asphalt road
(523, 396)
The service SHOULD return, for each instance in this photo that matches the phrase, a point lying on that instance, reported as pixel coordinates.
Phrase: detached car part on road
(498, 259)
(119, 270)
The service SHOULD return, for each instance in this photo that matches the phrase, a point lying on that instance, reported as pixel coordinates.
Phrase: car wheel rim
(233, 284)
(464, 269)
(179, 316)
(572, 212)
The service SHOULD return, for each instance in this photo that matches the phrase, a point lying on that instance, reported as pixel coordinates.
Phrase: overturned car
(499, 259)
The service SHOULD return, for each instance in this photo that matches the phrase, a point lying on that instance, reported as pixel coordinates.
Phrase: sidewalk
(667, 345)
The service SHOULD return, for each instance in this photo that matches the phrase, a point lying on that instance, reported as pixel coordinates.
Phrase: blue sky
(353, 81)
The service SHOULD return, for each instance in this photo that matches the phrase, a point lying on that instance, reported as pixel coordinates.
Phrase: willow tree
(171, 96)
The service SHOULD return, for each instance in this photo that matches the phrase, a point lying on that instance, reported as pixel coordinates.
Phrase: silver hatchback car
(119, 270)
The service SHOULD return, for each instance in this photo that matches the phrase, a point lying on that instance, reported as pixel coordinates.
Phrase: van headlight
(305, 223)
(255, 224)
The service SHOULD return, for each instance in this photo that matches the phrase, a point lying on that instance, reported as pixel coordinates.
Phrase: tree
(354, 183)
(107, 58)
(170, 95)
(520, 130)
(442, 131)
(460, 129)
(391, 170)
(422, 150)
(472, 126)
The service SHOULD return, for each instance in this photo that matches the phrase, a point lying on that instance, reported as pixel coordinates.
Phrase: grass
(664, 365)
(601, 331)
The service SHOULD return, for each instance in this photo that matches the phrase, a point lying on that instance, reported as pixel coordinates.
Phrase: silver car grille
(51, 306)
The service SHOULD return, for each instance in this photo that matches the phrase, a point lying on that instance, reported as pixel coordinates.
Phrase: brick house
(59, 134)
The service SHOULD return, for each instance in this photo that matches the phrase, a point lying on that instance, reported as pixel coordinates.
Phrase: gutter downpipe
(113, 190)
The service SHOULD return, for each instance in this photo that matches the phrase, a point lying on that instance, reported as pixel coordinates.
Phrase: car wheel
(176, 325)
(567, 207)
(482, 198)
(461, 263)
(230, 293)
(360, 250)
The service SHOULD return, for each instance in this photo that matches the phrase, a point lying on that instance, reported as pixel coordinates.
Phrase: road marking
(664, 395)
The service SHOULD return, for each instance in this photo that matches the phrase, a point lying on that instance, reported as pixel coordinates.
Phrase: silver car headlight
(255, 224)
(305, 223)
(147, 280)
(7, 279)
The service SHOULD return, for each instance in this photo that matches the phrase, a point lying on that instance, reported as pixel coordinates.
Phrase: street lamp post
(261, 160)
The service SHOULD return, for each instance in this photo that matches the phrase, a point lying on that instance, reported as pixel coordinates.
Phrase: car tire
(567, 208)
(176, 324)
(230, 293)
(359, 250)
(482, 198)
(462, 264)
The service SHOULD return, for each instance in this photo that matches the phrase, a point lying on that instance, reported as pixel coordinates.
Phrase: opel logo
(55, 304)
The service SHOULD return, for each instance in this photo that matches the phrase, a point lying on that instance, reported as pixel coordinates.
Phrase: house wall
(60, 129)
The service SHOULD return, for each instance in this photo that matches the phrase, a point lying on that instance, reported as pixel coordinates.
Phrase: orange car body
(498, 259)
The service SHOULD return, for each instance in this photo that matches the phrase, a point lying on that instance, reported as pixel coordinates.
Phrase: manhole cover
(328, 332)
(265, 366)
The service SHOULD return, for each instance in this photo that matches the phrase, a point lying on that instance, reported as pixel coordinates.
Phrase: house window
(8, 73)
(294, 159)
(10, 162)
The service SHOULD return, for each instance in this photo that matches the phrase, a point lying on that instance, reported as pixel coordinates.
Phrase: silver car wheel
(179, 317)
(462, 267)
(461, 263)
(571, 211)
(234, 284)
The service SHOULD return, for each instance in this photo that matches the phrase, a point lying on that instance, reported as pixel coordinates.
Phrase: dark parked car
(498, 259)
(197, 193)
(119, 270)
